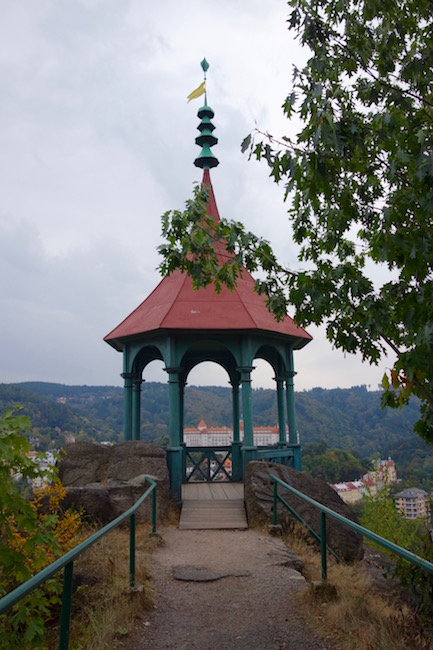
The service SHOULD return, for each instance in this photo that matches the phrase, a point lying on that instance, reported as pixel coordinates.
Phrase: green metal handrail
(324, 510)
(66, 562)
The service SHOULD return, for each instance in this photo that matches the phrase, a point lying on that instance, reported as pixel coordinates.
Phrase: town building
(413, 503)
(383, 474)
(204, 436)
(353, 491)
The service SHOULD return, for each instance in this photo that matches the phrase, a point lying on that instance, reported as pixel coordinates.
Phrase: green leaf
(246, 143)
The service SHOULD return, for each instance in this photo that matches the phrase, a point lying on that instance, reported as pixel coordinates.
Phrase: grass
(353, 611)
(104, 609)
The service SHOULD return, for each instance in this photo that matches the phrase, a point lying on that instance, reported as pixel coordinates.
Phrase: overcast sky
(97, 142)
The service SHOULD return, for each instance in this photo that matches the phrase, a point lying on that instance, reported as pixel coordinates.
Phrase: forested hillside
(348, 419)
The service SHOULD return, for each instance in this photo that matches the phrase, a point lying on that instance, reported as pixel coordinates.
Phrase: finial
(206, 140)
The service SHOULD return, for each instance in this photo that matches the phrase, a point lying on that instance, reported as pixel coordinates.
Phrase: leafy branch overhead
(190, 247)
(358, 180)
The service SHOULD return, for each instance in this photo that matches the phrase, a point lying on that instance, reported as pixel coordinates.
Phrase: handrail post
(132, 550)
(154, 510)
(275, 503)
(65, 617)
(323, 543)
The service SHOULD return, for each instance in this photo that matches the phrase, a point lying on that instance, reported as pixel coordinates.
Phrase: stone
(347, 543)
(107, 480)
(275, 530)
(189, 573)
(84, 463)
(94, 499)
(134, 458)
(282, 556)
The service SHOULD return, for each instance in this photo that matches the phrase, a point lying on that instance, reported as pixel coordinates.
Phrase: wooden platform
(212, 506)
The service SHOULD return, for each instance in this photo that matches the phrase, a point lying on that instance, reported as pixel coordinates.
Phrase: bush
(32, 535)
(379, 514)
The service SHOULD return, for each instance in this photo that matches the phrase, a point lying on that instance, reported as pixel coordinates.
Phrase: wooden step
(201, 515)
(215, 506)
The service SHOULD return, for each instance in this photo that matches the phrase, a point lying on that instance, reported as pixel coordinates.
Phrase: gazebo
(183, 327)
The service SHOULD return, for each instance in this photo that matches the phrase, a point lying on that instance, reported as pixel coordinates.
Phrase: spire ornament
(206, 139)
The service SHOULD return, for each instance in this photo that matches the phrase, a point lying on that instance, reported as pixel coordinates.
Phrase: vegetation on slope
(341, 419)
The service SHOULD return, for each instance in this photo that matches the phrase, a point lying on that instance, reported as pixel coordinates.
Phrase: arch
(207, 373)
(144, 356)
(210, 350)
(273, 356)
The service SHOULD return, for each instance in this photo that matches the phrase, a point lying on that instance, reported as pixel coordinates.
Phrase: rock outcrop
(106, 481)
(346, 543)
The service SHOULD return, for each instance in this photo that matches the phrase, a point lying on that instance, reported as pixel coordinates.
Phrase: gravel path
(232, 592)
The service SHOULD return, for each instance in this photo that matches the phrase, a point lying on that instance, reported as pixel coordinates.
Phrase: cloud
(55, 307)
(97, 142)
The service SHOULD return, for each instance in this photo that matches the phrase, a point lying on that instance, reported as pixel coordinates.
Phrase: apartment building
(413, 503)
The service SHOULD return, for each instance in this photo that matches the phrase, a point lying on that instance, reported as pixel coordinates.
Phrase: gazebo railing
(224, 462)
(208, 463)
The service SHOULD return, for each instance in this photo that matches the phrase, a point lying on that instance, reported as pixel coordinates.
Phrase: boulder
(94, 499)
(132, 459)
(347, 543)
(107, 480)
(84, 463)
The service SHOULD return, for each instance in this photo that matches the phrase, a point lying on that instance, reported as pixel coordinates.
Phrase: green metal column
(136, 408)
(174, 451)
(281, 410)
(291, 419)
(127, 405)
(236, 444)
(236, 412)
(182, 385)
(249, 450)
(291, 415)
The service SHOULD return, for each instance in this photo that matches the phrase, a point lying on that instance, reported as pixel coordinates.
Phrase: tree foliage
(379, 514)
(358, 177)
(32, 535)
(332, 465)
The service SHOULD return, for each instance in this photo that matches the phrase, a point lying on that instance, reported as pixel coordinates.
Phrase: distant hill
(349, 419)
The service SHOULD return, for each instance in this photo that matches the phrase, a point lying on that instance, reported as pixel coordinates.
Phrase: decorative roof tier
(206, 139)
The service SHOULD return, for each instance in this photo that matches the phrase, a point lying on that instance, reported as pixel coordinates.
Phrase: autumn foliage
(32, 535)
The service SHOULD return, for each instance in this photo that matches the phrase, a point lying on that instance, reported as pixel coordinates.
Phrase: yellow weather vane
(201, 89)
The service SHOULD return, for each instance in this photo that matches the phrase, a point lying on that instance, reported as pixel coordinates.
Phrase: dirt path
(255, 606)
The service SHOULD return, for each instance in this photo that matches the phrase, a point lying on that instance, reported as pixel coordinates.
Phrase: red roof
(174, 305)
